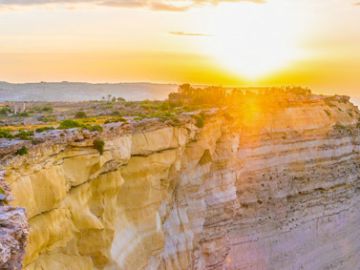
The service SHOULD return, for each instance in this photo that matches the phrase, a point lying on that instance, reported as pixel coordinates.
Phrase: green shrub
(45, 119)
(43, 129)
(66, 124)
(6, 134)
(99, 145)
(80, 114)
(88, 120)
(5, 110)
(199, 120)
(23, 114)
(22, 151)
(147, 105)
(165, 106)
(24, 135)
(93, 128)
(47, 108)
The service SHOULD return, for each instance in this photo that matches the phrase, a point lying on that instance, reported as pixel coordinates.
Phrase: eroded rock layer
(274, 188)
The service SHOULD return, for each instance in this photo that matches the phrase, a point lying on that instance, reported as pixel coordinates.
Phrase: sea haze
(80, 91)
(73, 91)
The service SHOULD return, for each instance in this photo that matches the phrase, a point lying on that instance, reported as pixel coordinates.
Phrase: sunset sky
(314, 43)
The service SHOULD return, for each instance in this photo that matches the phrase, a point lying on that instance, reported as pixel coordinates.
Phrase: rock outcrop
(263, 188)
(13, 233)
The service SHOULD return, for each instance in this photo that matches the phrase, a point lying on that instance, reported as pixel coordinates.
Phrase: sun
(252, 57)
(256, 40)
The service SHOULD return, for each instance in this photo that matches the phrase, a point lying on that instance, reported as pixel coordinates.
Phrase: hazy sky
(314, 43)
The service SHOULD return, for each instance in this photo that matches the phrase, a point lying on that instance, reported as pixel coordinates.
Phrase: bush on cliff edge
(99, 145)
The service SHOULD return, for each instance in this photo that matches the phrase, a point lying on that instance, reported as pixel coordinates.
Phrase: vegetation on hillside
(219, 96)
(25, 121)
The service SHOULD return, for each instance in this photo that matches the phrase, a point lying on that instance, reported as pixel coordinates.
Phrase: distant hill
(73, 91)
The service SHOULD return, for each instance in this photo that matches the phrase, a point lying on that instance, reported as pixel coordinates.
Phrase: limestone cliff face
(269, 189)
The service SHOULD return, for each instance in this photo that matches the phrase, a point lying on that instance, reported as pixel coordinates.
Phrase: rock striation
(272, 187)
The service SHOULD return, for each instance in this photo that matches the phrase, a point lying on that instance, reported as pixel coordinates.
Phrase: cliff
(258, 187)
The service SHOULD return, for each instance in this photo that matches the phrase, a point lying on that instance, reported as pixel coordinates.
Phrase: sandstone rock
(270, 189)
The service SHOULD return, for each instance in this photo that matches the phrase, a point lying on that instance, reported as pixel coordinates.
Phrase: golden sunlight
(256, 40)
